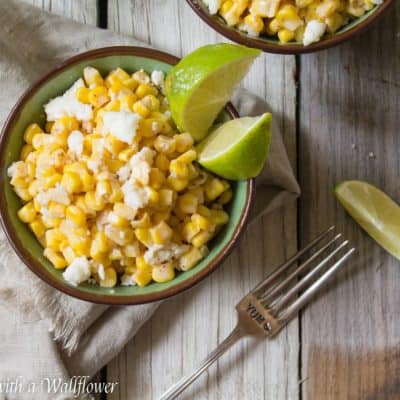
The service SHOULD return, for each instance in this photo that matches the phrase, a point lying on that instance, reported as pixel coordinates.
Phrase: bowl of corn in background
(272, 44)
(29, 108)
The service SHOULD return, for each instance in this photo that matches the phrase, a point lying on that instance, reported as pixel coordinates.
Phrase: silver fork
(266, 309)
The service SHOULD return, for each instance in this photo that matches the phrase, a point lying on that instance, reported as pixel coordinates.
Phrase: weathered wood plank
(349, 114)
(187, 327)
(83, 11)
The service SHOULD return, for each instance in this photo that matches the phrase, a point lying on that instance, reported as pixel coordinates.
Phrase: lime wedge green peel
(376, 212)
(238, 148)
(200, 85)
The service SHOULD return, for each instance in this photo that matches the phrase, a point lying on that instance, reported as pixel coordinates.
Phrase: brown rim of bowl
(34, 265)
(248, 41)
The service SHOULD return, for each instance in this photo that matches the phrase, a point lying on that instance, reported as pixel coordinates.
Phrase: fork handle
(181, 385)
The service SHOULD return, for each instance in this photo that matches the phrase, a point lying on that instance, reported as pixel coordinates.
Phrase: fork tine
(274, 291)
(307, 296)
(277, 305)
(289, 262)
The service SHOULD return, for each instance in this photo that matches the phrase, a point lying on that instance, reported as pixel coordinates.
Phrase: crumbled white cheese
(78, 271)
(75, 142)
(121, 124)
(145, 154)
(124, 173)
(69, 105)
(94, 165)
(213, 5)
(14, 168)
(158, 79)
(141, 172)
(58, 194)
(161, 253)
(134, 195)
(313, 32)
(101, 272)
(127, 280)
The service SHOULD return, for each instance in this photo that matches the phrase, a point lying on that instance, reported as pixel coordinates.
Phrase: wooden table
(339, 112)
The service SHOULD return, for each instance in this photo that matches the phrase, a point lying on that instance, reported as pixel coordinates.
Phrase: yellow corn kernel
(117, 220)
(92, 77)
(219, 217)
(99, 245)
(141, 77)
(38, 228)
(87, 180)
(162, 162)
(145, 90)
(179, 169)
(285, 35)
(203, 223)
(141, 264)
(124, 211)
(26, 149)
(166, 198)
(274, 26)
(161, 233)
(151, 102)
(188, 203)
(265, 8)
(126, 154)
(41, 140)
(334, 22)
(54, 238)
(71, 182)
(225, 197)
(110, 278)
(113, 105)
(27, 213)
(65, 124)
(143, 222)
(142, 278)
(23, 193)
(57, 210)
(184, 142)
(163, 273)
(177, 183)
(190, 259)
(254, 23)
(98, 96)
(189, 231)
(131, 84)
(369, 5)
(132, 250)
(55, 258)
(156, 178)
(93, 202)
(103, 189)
(165, 144)
(230, 13)
(31, 131)
(139, 108)
(82, 95)
(201, 238)
(80, 244)
(76, 215)
(303, 3)
(68, 254)
(144, 236)
(288, 18)
(214, 188)
(126, 101)
(51, 181)
(188, 157)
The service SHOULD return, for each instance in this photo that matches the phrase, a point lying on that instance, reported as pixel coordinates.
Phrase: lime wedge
(376, 212)
(237, 149)
(200, 85)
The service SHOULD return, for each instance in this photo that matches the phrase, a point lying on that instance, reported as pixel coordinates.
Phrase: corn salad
(303, 21)
(111, 189)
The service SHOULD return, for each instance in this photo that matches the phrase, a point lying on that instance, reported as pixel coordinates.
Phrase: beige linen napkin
(44, 333)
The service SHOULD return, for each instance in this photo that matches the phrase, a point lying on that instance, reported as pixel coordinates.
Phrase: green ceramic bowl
(30, 109)
(272, 45)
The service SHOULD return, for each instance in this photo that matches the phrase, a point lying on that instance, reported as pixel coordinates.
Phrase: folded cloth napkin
(45, 334)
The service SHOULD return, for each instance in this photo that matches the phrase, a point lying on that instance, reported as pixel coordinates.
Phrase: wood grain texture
(187, 327)
(349, 115)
